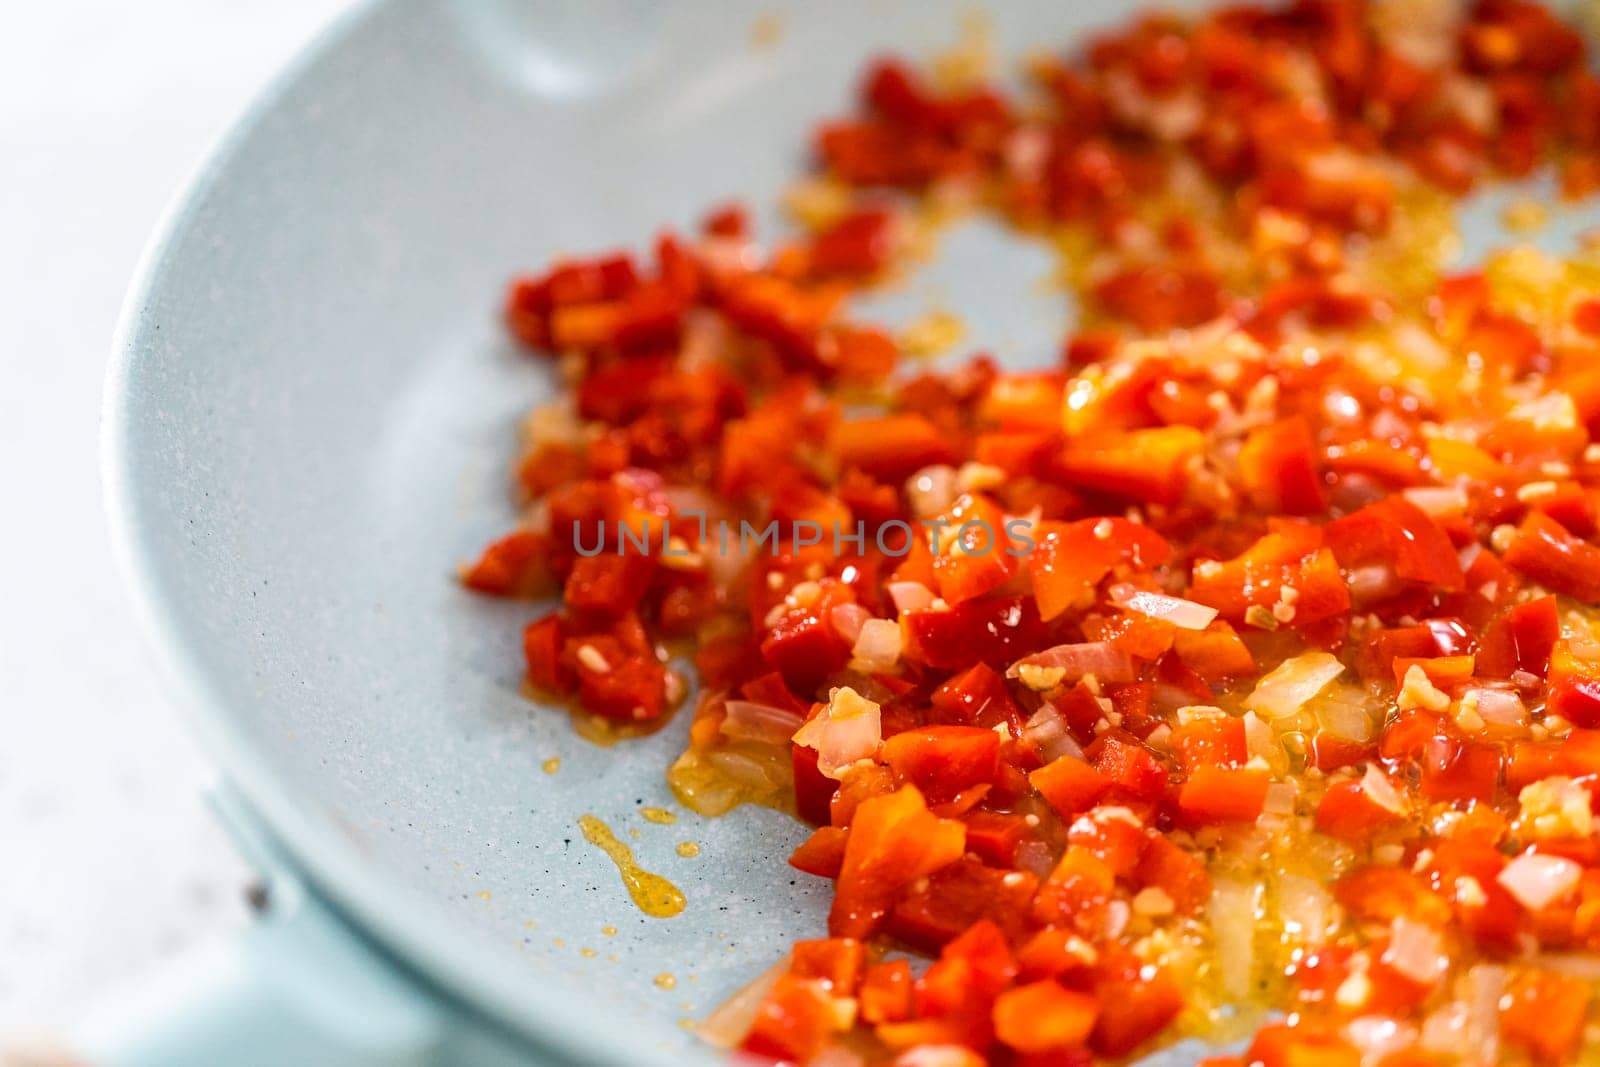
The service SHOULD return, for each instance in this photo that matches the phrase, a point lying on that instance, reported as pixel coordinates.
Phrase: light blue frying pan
(310, 422)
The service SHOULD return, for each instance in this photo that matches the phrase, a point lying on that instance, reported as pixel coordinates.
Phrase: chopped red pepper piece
(894, 840)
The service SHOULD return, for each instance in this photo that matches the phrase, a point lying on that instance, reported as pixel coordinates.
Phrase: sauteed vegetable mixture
(1241, 674)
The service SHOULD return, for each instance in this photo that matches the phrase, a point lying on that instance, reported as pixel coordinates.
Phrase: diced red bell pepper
(973, 552)
(1347, 812)
(1070, 785)
(1305, 1045)
(622, 391)
(1159, 298)
(1423, 641)
(976, 697)
(861, 784)
(1572, 506)
(1532, 761)
(886, 992)
(1544, 1012)
(1580, 753)
(1396, 533)
(894, 840)
(1023, 403)
(1132, 632)
(1574, 689)
(617, 683)
(609, 584)
(788, 316)
(956, 897)
(1218, 654)
(795, 1020)
(1055, 952)
(1586, 317)
(861, 355)
(1044, 1016)
(1176, 872)
(992, 630)
(542, 642)
(1544, 551)
(1134, 772)
(1017, 453)
(994, 836)
(944, 760)
(1210, 741)
(1115, 839)
(517, 565)
(1289, 556)
(860, 243)
(838, 961)
(1223, 794)
(1383, 894)
(1443, 671)
(1075, 893)
(1487, 914)
(805, 648)
(891, 447)
(1138, 1001)
(970, 972)
(1454, 459)
(1069, 559)
(821, 854)
(1151, 465)
(1457, 769)
(1280, 468)
(727, 220)
(813, 790)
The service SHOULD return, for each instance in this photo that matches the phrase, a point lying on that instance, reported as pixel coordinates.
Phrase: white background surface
(110, 858)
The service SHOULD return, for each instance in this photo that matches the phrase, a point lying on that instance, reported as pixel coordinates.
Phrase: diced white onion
(760, 722)
(1279, 799)
(1537, 880)
(879, 643)
(931, 490)
(747, 770)
(724, 567)
(1233, 915)
(1047, 733)
(1381, 791)
(1447, 1030)
(1185, 614)
(731, 1022)
(1306, 908)
(1416, 951)
(848, 729)
(1497, 706)
(1292, 684)
(1486, 983)
(1105, 661)
(1344, 712)
(1027, 151)
(1377, 1036)
(838, 1055)
(1036, 857)
(936, 1056)
(910, 596)
(1261, 742)
(1579, 965)
(1438, 500)
(847, 620)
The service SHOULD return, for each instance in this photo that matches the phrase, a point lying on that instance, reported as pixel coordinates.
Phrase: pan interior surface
(313, 423)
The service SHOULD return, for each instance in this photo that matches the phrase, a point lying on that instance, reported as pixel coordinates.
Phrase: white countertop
(112, 859)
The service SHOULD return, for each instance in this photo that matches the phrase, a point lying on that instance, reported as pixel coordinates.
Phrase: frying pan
(310, 421)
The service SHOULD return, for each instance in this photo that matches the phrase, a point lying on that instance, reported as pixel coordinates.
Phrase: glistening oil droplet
(653, 894)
